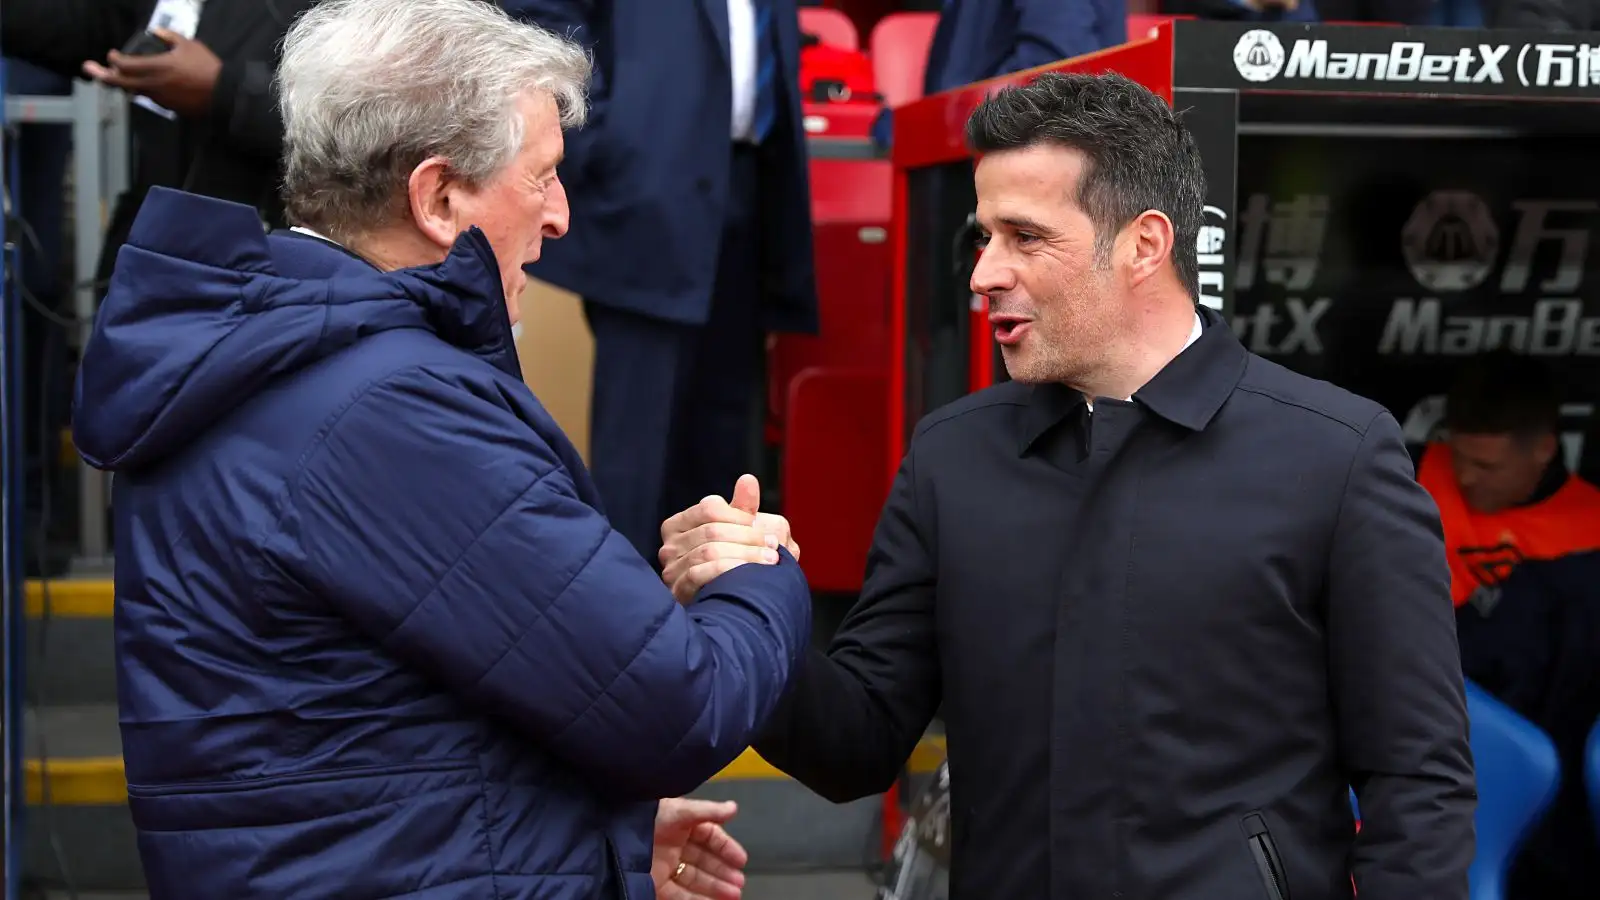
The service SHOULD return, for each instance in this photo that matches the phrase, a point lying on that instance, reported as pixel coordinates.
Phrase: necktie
(766, 111)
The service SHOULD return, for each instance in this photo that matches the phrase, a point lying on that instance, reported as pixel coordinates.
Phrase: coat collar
(1188, 392)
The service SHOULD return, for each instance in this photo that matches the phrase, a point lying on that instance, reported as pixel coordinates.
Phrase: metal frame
(99, 120)
(12, 516)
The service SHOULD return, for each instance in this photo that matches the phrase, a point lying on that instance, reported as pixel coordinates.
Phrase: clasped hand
(716, 535)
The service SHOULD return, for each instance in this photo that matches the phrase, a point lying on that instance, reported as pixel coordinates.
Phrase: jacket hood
(203, 313)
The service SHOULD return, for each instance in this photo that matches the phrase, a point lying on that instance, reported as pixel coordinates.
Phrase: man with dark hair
(1174, 600)
(1503, 490)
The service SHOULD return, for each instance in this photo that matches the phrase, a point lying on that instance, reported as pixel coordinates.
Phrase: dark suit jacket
(233, 154)
(980, 39)
(648, 177)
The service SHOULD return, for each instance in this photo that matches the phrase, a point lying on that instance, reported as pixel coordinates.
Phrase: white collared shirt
(743, 57)
(301, 229)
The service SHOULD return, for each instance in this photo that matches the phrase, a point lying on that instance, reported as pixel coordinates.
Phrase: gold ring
(679, 870)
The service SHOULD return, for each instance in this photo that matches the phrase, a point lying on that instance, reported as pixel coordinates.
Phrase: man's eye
(1025, 238)
(982, 241)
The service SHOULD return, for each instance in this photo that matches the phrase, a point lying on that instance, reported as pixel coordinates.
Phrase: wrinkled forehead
(543, 144)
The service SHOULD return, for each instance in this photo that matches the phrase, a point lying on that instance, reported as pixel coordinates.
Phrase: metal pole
(12, 517)
(88, 183)
(117, 173)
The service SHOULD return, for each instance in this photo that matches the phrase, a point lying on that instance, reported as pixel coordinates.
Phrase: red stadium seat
(831, 26)
(1143, 25)
(834, 480)
(828, 392)
(899, 50)
(850, 202)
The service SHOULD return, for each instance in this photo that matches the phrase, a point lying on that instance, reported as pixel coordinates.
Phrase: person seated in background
(1504, 493)
(374, 635)
(1522, 532)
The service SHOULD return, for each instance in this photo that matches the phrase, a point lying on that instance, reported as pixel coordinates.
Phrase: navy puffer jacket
(374, 636)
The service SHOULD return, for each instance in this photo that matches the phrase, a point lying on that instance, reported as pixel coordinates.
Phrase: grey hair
(369, 89)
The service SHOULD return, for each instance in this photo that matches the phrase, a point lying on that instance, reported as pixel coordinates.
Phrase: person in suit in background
(217, 132)
(979, 39)
(209, 120)
(691, 236)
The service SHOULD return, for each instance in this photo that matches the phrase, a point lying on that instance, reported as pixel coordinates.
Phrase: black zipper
(1268, 863)
(616, 868)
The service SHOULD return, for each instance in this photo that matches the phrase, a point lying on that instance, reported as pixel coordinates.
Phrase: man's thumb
(747, 495)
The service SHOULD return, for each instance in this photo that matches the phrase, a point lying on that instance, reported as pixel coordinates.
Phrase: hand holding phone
(145, 44)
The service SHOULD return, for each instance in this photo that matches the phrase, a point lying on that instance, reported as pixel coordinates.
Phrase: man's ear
(429, 191)
(1149, 240)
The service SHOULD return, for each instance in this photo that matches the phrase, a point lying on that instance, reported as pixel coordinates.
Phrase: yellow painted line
(100, 780)
(70, 598)
(93, 781)
(925, 759)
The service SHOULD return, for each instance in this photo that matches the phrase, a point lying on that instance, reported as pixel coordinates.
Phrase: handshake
(716, 535)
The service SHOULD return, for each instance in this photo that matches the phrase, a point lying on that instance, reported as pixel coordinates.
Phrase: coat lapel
(716, 12)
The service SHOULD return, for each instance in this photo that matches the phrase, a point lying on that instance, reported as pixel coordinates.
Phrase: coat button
(703, 185)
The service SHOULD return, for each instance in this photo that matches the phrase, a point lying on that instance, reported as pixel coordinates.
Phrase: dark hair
(1139, 155)
(1501, 392)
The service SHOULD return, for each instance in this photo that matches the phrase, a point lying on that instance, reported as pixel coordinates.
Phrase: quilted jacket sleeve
(446, 529)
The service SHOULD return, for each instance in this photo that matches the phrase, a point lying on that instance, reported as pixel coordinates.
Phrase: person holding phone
(200, 73)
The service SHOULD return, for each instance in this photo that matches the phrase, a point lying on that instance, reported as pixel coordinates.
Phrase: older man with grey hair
(375, 637)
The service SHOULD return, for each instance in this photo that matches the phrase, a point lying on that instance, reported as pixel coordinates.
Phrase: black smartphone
(145, 44)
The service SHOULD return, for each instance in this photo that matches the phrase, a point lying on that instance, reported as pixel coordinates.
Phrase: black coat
(234, 153)
(1167, 637)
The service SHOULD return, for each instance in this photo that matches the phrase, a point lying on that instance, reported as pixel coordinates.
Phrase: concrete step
(78, 830)
(69, 652)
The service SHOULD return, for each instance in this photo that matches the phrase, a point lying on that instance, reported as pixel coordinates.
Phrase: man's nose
(991, 275)
(557, 214)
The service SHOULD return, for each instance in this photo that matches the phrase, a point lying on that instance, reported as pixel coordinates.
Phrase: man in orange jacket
(1503, 491)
